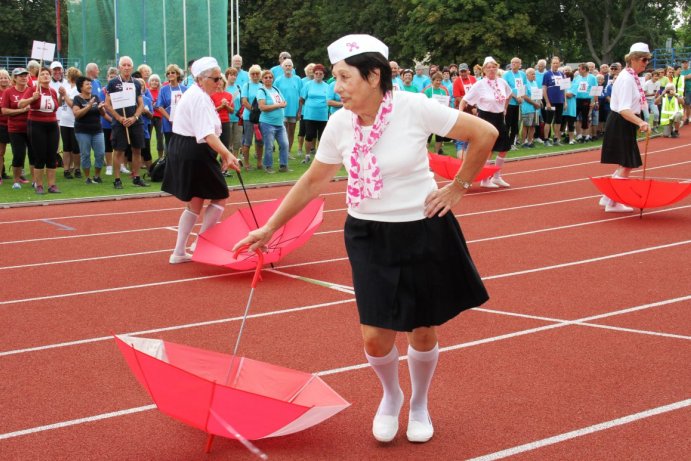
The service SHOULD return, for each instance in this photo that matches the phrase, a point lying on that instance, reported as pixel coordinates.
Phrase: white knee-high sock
(185, 226)
(211, 215)
(499, 161)
(386, 369)
(421, 366)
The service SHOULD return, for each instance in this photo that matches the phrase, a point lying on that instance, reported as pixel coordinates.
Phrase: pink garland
(638, 85)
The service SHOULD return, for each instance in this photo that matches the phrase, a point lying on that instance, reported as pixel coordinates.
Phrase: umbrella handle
(645, 152)
(260, 263)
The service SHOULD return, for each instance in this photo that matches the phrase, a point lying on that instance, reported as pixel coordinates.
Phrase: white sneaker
(539, 141)
(604, 201)
(616, 207)
(124, 170)
(419, 432)
(385, 428)
(177, 259)
(487, 183)
(109, 170)
(499, 181)
(16, 186)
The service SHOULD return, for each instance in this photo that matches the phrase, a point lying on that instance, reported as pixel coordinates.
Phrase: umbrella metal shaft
(237, 343)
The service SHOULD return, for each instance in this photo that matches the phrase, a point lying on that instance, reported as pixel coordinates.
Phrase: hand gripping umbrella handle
(260, 263)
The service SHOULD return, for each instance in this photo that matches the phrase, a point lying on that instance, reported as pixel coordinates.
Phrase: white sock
(421, 366)
(185, 226)
(386, 369)
(211, 215)
(499, 162)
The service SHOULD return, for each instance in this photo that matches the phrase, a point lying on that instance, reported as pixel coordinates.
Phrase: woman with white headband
(410, 264)
(192, 173)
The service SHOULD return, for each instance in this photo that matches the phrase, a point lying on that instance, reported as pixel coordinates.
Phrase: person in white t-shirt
(620, 144)
(411, 267)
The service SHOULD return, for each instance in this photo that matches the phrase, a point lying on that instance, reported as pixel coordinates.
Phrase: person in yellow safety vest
(671, 111)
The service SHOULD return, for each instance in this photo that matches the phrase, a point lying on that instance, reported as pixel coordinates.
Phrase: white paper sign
(596, 91)
(536, 93)
(582, 86)
(43, 50)
(122, 99)
(174, 99)
(565, 84)
(441, 99)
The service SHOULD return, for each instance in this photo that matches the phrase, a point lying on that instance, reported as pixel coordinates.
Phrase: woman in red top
(44, 133)
(16, 125)
(154, 88)
(5, 82)
(223, 101)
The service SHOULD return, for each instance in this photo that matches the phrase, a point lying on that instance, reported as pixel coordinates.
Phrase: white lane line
(346, 369)
(97, 234)
(587, 261)
(584, 431)
(58, 225)
(178, 327)
(95, 258)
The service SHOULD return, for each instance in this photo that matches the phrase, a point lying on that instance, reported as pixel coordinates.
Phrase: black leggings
(314, 130)
(44, 137)
(583, 111)
(512, 122)
(20, 145)
(568, 123)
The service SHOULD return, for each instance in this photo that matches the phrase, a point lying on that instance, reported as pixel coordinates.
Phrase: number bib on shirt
(47, 103)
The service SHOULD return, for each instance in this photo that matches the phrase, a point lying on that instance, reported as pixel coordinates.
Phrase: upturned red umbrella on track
(447, 167)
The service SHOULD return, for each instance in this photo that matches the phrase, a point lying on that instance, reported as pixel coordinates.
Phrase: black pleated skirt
(620, 146)
(193, 171)
(411, 274)
(503, 143)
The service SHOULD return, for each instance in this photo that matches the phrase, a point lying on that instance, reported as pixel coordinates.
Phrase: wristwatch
(464, 184)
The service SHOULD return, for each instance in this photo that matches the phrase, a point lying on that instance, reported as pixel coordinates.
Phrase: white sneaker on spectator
(124, 170)
(604, 201)
(539, 141)
(499, 181)
(616, 207)
(487, 183)
(109, 170)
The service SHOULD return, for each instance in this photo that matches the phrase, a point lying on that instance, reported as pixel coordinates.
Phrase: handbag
(158, 169)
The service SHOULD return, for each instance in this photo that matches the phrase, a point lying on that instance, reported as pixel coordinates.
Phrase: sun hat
(489, 59)
(640, 47)
(355, 44)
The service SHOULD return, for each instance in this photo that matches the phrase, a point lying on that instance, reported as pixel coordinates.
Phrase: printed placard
(43, 50)
(596, 91)
(565, 83)
(442, 99)
(535, 93)
(122, 99)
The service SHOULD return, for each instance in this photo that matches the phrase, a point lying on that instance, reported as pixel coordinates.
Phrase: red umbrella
(227, 395)
(642, 193)
(447, 167)
(215, 245)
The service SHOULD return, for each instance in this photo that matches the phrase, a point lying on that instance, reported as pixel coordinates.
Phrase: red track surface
(582, 352)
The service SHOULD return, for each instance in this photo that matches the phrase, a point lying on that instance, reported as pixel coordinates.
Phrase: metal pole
(232, 30)
(184, 31)
(117, 41)
(143, 31)
(165, 37)
(208, 23)
(237, 25)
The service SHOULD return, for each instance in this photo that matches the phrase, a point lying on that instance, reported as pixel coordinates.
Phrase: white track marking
(177, 327)
(339, 370)
(95, 258)
(584, 431)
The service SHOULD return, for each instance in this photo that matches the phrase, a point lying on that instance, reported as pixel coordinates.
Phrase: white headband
(355, 44)
(202, 64)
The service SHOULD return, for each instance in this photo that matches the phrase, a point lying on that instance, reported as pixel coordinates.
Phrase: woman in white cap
(491, 96)
(411, 267)
(620, 146)
(192, 173)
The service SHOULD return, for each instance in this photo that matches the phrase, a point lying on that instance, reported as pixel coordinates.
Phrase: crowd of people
(549, 105)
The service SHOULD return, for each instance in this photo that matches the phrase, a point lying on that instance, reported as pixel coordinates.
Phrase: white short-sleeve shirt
(625, 94)
(401, 155)
(482, 95)
(195, 115)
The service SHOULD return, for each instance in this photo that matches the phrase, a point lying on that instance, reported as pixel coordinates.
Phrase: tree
(24, 21)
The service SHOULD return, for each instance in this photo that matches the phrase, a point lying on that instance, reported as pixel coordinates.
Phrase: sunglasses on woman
(215, 79)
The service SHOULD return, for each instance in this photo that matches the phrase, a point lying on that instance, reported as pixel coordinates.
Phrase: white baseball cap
(55, 65)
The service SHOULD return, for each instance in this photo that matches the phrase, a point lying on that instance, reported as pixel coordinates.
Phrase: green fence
(154, 32)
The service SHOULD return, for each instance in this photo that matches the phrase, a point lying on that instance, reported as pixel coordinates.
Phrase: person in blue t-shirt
(235, 126)
(530, 108)
(315, 110)
(334, 101)
(272, 104)
(517, 81)
(554, 102)
(243, 77)
(420, 80)
(395, 76)
(277, 70)
(540, 70)
(290, 86)
(251, 130)
(568, 123)
(583, 82)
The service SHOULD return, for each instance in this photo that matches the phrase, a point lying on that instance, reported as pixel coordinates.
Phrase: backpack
(256, 111)
(157, 169)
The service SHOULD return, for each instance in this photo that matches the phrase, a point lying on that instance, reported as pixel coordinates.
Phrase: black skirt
(411, 274)
(619, 145)
(503, 143)
(193, 171)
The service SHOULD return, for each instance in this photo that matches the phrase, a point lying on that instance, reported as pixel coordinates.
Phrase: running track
(582, 352)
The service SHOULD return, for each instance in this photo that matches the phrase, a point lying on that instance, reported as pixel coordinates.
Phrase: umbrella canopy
(215, 245)
(253, 400)
(447, 167)
(642, 193)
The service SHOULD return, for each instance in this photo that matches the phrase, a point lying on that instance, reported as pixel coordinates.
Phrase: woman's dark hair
(366, 63)
(80, 82)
